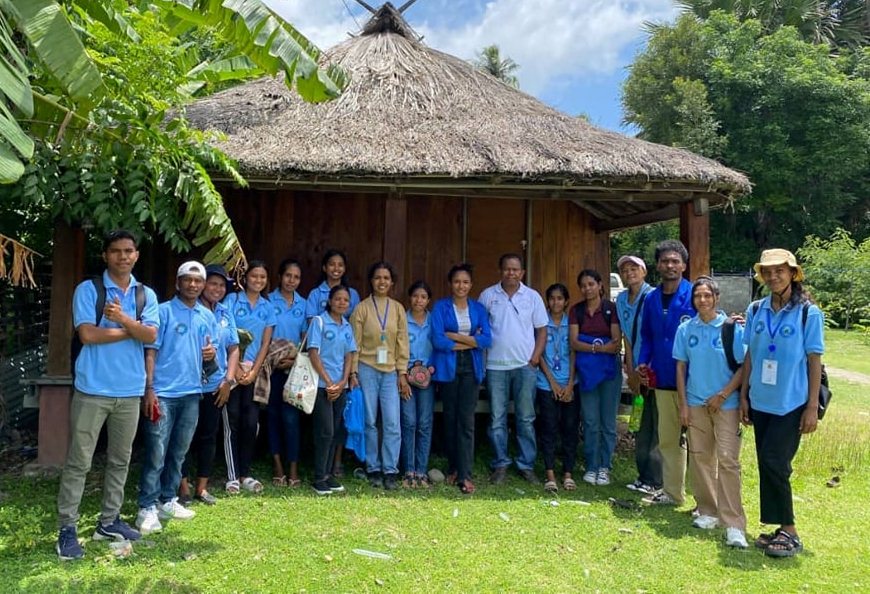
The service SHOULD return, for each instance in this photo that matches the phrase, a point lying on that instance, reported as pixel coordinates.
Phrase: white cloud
(549, 39)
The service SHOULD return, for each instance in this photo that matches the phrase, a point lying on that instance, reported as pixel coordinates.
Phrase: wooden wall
(421, 235)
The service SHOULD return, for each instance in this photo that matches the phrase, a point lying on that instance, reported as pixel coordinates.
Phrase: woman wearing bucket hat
(779, 396)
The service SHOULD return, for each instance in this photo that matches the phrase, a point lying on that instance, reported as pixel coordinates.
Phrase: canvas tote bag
(300, 389)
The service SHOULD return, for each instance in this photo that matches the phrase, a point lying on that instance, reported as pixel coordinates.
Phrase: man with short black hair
(518, 319)
(664, 309)
(109, 383)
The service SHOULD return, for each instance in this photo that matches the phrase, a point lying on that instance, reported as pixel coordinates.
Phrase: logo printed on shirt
(550, 337)
(787, 331)
(759, 327)
(685, 318)
(329, 334)
(297, 313)
(241, 311)
(323, 305)
(693, 341)
(181, 329)
(277, 311)
(716, 343)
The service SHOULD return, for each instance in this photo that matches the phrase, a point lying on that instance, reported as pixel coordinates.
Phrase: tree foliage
(90, 125)
(489, 60)
(838, 275)
(784, 110)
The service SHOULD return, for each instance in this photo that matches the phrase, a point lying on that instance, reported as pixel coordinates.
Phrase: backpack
(727, 331)
(99, 305)
(824, 388)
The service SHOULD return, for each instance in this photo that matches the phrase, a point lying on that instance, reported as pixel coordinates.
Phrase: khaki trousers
(673, 455)
(714, 449)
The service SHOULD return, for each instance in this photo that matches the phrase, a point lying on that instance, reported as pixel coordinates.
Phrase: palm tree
(489, 60)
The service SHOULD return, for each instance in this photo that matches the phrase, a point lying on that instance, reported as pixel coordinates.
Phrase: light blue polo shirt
(290, 322)
(627, 312)
(115, 369)
(333, 342)
(513, 321)
(182, 334)
(699, 344)
(419, 339)
(228, 337)
(318, 297)
(255, 320)
(792, 343)
(557, 354)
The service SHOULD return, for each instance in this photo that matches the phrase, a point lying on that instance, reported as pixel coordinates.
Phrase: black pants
(459, 399)
(776, 442)
(558, 421)
(202, 447)
(329, 431)
(646, 443)
(243, 415)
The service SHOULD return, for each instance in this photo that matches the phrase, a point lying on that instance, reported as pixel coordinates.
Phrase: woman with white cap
(780, 392)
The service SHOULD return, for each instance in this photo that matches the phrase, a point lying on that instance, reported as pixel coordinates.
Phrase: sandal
(423, 482)
(279, 481)
(233, 487)
(764, 539)
(550, 486)
(466, 487)
(568, 484)
(252, 485)
(293, 482)
(784, 545)
(451, 479)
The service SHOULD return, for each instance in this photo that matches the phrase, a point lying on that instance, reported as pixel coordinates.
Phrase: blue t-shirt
(318, 297)
(792, 342)
(627, 313)
(228, 337)
(699, 344)
(180, 338)
(420, 340)
(115, 369)
(332, 341)
(255, 320)
(290, 322)
(557, 353)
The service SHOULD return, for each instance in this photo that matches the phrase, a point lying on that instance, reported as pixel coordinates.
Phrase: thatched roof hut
(414, 120)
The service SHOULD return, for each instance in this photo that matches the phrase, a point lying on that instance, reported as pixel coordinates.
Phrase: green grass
(845, 350)
(292, 541)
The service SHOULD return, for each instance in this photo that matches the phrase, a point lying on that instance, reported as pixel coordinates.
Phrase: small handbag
(300, 389)
(419, 375)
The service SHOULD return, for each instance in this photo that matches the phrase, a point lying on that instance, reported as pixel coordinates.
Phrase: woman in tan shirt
(380, 367)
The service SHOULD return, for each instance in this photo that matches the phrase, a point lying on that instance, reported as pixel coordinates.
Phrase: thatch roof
(416, 117)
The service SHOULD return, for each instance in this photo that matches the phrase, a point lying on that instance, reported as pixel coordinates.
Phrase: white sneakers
(734, 537)
(705, 522)
(147, 520)
(590, 477)
(603, 477)
(172, 510)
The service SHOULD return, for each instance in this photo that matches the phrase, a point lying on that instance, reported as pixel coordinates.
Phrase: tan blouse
(367, 333)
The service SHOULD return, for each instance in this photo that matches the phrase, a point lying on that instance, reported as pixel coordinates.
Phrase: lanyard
(560, 339)
(773, 330)
(382, 321)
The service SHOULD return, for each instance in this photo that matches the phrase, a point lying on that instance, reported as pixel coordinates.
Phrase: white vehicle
(616, 286)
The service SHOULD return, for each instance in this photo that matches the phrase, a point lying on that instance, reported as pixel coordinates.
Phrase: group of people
(181, 365)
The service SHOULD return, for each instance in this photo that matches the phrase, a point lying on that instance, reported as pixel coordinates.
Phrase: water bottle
(636, 414)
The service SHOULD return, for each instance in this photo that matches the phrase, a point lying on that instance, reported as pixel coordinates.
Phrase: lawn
(846, 351)
(509, 538)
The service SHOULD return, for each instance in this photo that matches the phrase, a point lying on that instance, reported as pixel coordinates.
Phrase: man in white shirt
(519, 333)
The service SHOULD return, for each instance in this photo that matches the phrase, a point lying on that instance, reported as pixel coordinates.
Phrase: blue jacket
(658, 332)
(443, 319)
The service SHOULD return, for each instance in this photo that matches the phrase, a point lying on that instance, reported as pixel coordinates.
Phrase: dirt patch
(850, 376)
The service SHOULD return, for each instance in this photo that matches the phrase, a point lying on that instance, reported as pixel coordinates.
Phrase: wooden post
(56, 392)
(396, 239)
(695, 235)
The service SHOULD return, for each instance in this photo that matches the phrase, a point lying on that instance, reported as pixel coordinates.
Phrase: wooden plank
(671, 211)
(395, 238)
(433, 242)
(695, 235)
(67, 270)
(495, 227)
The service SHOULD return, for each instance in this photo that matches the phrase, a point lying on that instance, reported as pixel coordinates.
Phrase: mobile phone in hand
(155, 411)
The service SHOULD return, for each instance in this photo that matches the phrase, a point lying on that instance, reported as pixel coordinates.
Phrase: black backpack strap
(580, 314)
(140, 301)
(100, 303)
(728, 344)
(634, 322)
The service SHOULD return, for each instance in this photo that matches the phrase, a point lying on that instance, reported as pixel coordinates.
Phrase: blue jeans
(417, 414)
(283, 421)
(599, 407)
(518, 384)
(166, 443)
(380, 391)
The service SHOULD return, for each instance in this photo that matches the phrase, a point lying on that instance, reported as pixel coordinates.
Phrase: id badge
(382, 355)
(768, 372)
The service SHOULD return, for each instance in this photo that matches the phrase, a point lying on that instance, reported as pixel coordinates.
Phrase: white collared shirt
(513, 320)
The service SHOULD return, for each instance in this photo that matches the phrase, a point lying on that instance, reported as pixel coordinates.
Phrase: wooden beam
(695, 235)
(67, 263)
(671, 211)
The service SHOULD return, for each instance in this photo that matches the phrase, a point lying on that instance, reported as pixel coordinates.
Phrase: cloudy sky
(572, 53)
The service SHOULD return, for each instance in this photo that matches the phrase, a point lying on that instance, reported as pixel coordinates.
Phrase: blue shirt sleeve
(437, 329)
(84, 304)
(679, 352)
(163, 315)
(314, 334)
(150, 313)
(645, 335)
(484, 337)
(739, 347)
(814, 331)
